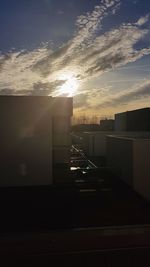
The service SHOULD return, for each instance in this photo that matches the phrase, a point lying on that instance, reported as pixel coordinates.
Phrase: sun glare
(70, 85)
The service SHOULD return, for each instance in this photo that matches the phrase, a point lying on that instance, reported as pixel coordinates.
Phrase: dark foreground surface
(85, 203)
(99, 222)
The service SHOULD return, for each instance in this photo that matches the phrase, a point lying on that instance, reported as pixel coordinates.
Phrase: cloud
(3, 59)
(91, 98)
(81, 100)
(6, 91)
(88, 24)
(137, 92)
(87, 55)
(106, 52)
(114, 49)
(142, 20)
(16, 69)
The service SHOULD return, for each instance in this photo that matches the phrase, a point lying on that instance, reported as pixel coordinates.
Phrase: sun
(70, 85)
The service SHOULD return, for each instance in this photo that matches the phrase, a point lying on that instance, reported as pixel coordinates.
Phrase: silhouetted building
(94, 143)
(107, 125)
(128, 156)
(85, 127)
(34, 136)
(97, 218)
(135, 120)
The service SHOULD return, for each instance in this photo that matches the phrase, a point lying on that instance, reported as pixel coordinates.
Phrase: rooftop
(92, 197)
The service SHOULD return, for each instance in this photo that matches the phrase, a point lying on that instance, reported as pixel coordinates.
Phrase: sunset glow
(98, 52)
(69, 87)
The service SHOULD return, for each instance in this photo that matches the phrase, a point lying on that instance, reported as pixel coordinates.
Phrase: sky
(97, 51)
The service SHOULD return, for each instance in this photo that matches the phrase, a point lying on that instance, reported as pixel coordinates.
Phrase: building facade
(34, 137)
(129, 159)
(107, 125)
(135, 120)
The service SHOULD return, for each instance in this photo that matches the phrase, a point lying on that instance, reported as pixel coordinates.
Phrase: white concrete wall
(121, 121)
(141, 165)
(130, 159)
(25, 141)
(61, 123)
(61, 139)
(61, 131)
(62, 106)
(35, 134)
(98, 145)
(94, 143)
(120, 157)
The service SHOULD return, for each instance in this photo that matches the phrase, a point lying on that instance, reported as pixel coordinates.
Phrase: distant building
(135, 120)
(34, 137)
(94, 143)
(107, 125)
(85, 127)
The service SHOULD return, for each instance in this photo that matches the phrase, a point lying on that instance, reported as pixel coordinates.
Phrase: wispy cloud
(87, 55)
(16, 69)
(137, 92)
(142, 20)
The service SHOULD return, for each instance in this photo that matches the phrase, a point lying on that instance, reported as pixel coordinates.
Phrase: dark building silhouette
(34, 136)
(135, 120)
(107, 125)
(95, 218)
(85, 127)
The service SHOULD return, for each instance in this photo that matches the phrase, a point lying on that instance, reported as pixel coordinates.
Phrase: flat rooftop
(131, 137)
(96, 202)
(90, 197)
